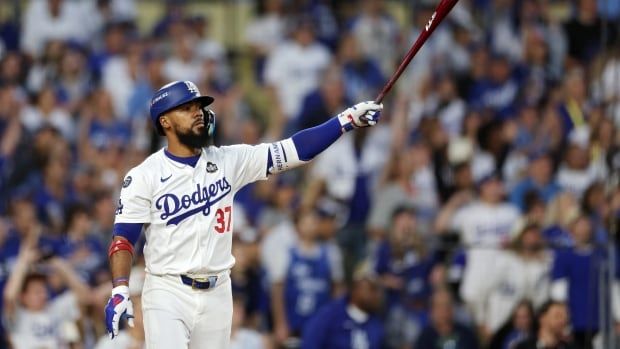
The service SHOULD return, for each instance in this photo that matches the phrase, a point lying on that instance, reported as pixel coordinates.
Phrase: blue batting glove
(118, 305)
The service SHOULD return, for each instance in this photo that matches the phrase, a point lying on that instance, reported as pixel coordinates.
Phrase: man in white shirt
(485, 227)
(293, 69)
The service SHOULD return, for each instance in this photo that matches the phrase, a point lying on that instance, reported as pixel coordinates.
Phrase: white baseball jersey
(483, 229)
(482, 225)
(46, 328)
(188, 210)
(510, 279)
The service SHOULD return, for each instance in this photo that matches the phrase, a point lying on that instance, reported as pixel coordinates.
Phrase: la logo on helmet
(191, 87)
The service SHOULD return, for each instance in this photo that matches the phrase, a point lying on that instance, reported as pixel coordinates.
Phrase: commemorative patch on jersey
(211, 167)
(127, 182)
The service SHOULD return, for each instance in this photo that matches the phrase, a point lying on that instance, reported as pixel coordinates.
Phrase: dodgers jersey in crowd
(187, 210)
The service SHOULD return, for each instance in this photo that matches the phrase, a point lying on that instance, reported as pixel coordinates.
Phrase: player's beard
(194, 139)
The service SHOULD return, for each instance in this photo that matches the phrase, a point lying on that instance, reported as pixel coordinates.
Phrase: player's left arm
(304, 145)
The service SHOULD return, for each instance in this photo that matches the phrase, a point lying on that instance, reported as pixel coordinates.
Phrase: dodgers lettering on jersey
(201, 200)
(187, 211)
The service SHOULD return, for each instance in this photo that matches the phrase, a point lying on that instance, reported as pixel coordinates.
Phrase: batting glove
(118, 305)
(360, 115)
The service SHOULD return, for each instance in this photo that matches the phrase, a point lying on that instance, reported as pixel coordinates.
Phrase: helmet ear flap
(209, 116)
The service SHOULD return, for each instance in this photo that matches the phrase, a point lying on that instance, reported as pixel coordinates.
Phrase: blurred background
(482, 211)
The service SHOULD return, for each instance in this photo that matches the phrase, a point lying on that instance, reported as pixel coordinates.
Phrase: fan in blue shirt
(349, 322)
(575, 276)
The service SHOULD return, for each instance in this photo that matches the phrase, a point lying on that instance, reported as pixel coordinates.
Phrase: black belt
(199, 283)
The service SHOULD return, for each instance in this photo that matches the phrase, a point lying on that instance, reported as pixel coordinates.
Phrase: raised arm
(304, 145)
(67, 273)
(27, 256)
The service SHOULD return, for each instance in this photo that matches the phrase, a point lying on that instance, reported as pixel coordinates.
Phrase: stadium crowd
(481, 212)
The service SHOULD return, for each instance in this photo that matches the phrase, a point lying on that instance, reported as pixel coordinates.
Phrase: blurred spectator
(120, 75)
(484, 226)
(33, 319)
(79, 247)
(573, 270)
(539, 180)
(448, 106)
(561, 213)
(349, 322)
(499, 91)
(362, 77)
(323, 103)
(377, 33)
(552, 332)
(394, 191)
(74, 80)
(266, 31)
(583, 32)
(113, 44)
(347, 173)
(52, 19)
(184, 63)
(47, 111)
(293, 69)
(404, 265)
(247, 276)
(443, 331)
(54, 194)
(100, 127)
(606, 86)
(306, 276)
(539, 74)
(574, 106)
(520, 326)
(45, 68)
(521, 273)
(13, 68)
(576, 172)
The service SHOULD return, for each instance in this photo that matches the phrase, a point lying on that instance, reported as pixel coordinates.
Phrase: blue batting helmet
(173, 95)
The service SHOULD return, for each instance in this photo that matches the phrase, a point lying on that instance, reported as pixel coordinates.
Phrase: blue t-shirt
(333, 328)
(86, 267)
(307, 286)
(557, 237)
(581, 268)
(414, 271)
(546, 192)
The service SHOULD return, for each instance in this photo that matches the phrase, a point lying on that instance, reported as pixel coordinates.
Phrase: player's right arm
(132, 212)
(252, 163)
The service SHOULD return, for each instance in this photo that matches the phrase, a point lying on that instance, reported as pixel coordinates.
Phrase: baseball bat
(440, 13)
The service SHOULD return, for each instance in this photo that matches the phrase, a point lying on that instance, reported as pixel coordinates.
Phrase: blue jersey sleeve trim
(190, 160)
(130, 231)
(312, 141)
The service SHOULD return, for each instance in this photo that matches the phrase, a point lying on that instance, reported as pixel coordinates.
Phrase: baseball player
(182, 197)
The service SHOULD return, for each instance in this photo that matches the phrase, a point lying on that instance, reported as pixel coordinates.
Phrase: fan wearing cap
(182, 197)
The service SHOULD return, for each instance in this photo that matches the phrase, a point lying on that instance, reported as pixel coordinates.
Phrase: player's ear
(164, 122)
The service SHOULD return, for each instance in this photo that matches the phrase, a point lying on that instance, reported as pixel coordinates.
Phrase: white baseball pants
(177, 316)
